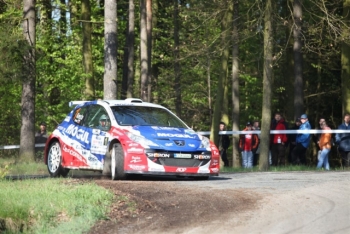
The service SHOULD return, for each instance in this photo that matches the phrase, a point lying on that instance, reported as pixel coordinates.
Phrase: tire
(117, 162)
(54, 160)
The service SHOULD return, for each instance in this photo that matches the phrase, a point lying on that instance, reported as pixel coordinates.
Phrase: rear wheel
(117, 162)
(54, 161)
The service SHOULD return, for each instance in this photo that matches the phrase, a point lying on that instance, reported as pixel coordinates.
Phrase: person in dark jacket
(343, 141)
(292, 139)
(278, 141)
(41, 135)
(224, 143)
(256, 126)
(248, 144)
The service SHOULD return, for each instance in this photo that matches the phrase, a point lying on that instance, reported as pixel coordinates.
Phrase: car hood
(169, 138)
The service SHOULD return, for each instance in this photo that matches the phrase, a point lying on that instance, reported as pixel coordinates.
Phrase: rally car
(125, 137)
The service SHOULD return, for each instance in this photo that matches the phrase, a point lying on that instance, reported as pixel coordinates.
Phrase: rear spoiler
(75, 103)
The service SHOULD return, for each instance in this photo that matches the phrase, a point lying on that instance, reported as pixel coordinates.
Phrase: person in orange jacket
(325, 145)
(248, 144)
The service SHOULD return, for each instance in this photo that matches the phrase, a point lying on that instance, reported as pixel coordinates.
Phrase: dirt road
(292, 202)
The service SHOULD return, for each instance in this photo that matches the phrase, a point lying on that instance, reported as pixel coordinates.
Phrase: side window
(97, 118)
(79, 115)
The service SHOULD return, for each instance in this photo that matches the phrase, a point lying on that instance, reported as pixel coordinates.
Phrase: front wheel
(54, 160)
(117, 162)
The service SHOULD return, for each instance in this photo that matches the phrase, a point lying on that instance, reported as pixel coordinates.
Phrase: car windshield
(145, 115)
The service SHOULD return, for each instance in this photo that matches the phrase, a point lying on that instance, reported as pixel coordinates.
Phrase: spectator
(256, 127)
(292, 139)
(343, 141)
(41, 135)
(317, 136)
(248, 144)
(325, 144)
(224, 143)
(302, 142)
(278, 141)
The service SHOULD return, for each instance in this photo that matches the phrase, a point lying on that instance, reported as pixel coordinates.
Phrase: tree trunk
(225, 37)
(177, 68)
(143, 53)
(345, 59)
(149, 47)
(154, 66)
(298, 60)
(27, 139)
(267, 87)
(235, 85)
(129, 53)
(289, 66)
(110, 49)
(89, 93)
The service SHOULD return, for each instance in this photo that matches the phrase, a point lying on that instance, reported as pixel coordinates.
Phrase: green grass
(51, 205)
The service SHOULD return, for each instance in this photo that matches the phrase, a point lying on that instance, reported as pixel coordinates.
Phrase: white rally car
(124, 137)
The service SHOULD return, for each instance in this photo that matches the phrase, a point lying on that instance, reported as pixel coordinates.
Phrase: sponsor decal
(97, 140)
(215, 170)
(96, 131)
(166, 128)
(179, 142)
(67, 119)
(190, 131)
(72, 152)
(137, 167)
(98, 149)
(168, 144)
(80, 134)
(158, 155)
(133, 144)
(117, 132)
(135, 159)
(201, 156)
(92, 159)
(105, 141)
(182, 155)
(174, 135)
(181, 169)
(61, 128)
(216, 153)
(192, 145)
(215, 162)
(155, 169)
(135, 150)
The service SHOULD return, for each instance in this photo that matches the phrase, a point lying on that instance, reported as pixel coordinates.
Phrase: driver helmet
(104, 121)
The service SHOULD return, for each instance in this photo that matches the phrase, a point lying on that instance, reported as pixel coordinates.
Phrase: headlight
(141, 140)
(205, 143)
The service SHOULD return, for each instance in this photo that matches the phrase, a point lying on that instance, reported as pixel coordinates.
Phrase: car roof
(126, 102)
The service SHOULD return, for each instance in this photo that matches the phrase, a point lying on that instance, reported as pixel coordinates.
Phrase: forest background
(208, 61)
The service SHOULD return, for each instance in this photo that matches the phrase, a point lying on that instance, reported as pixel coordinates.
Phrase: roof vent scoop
(133, 100)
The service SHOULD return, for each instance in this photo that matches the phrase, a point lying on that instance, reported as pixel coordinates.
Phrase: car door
(99, 135)
(77, 145)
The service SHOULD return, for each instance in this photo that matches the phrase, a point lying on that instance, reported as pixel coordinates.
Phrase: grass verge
(51, 205)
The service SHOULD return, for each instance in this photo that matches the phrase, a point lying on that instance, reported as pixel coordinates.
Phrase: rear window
(144, 115)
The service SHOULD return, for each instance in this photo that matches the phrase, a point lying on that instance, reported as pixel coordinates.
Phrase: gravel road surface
(292, 202)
